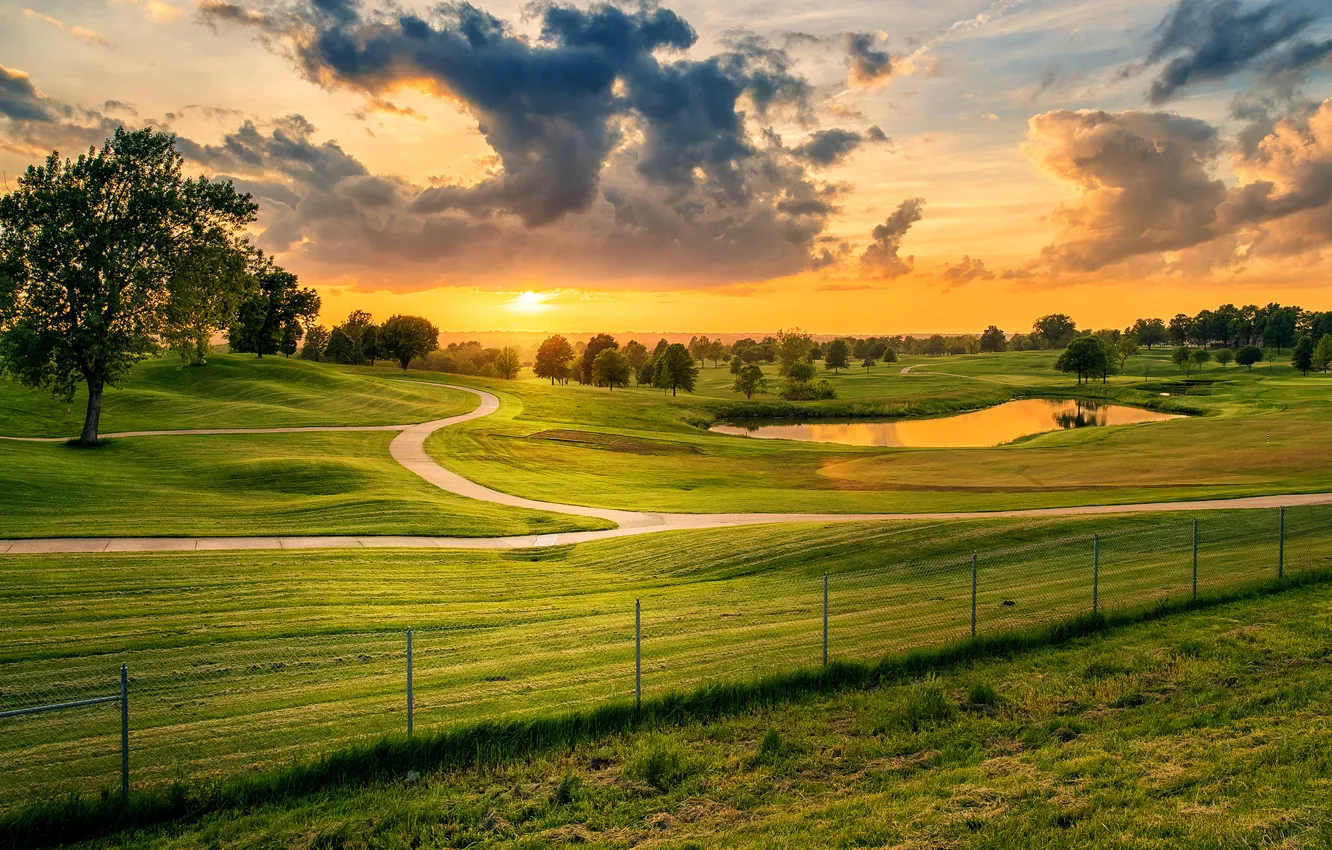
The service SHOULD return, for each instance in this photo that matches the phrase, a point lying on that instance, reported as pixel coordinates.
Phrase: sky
(845, 166)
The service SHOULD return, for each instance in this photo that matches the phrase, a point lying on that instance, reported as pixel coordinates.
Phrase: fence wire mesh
(204, 705)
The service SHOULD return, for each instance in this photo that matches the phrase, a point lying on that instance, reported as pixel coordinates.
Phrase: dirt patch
(614, 442)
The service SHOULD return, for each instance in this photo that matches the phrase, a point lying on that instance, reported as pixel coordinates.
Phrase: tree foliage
(508, 363)
(554, 359)
(316, 342)
(90, 249)
(993, 340)
(750, 380)
(611, 369)
(270, 320)
(1085, 356)
(405, 338)
(1322, 353)
(1302, 357)
(595, 346)
(837, 356)
(675, 370)
(1248, 355)
(1056, 329)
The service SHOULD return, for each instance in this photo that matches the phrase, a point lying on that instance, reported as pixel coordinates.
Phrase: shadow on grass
(491, 742)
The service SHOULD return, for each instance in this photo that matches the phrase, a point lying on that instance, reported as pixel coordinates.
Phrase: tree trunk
(94, 415)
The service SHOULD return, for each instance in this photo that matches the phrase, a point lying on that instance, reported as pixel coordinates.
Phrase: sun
(529, 301)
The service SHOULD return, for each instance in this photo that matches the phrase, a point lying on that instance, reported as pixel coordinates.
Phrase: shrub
(808, 390)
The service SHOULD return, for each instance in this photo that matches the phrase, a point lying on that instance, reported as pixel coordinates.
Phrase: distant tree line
(360, 342)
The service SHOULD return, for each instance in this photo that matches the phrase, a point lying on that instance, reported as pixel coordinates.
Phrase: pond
(992, 426)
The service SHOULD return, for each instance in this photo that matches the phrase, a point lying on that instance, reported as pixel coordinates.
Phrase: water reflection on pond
(992, 426)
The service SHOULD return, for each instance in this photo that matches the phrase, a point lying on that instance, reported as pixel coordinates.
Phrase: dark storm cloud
(607, 136)
(1206, 40)
(869, 65)
(883, 255)
(19, 99)
(829, 147)
(552, 108)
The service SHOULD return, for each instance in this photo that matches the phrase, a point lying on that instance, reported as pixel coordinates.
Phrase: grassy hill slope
(1203, 730)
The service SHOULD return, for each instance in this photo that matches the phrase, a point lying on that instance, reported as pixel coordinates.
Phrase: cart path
(408, 449)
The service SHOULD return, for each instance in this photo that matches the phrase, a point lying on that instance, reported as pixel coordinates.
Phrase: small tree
(611, 369)
(1248, 355)
(698, 347)
(316, 340)
(405, 338)
(890, 356)
(1149, 332)
(340, 348)
(675, 370)
(508, 363)
(716, 351)
(88, 251)
(554, 359)
(637, 355)
(270, 319)
(868, 363)
(1322, 354)
(993, 340)
(1125, 347)
(1180, 357)
(750, 380)
(207, 289)
(791, 347)
(595, 346)
(737, 363)
(1302, 357)
(1200, 357)
(370, 344)
(1085, 356)
(837, 356)
(1056, 329)
(1224, 356)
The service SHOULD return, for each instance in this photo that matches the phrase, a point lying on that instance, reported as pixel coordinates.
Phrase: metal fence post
(638, 654)
(825, 619)
(1096, 573)
(124, 732)
(1281, 544)
(1195, 560)
(409, 682)
(973, 594)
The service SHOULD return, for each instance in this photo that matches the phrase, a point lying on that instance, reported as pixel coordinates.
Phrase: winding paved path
(408, 449)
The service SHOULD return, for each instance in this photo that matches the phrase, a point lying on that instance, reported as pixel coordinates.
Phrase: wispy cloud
(920, 59)
(81, 33)
(153, 10)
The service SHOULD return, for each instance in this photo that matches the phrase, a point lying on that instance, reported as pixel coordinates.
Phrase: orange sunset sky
(848, 166)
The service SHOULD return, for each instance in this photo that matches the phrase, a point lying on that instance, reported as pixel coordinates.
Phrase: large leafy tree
(207, 288)
(553, 359)
(272, 319)
(1086, 356)
(405, 338)
(675, 370)
(90, 248)
(1303, 356)
(993, 340)
(1056, 329)
(595, 346)
(837, 355)
(611, 369)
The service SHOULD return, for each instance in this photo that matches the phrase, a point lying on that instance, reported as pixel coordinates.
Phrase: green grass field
(236, 485)
(1261, 432)
(243, 661)
(1203, 730)
(235, 391)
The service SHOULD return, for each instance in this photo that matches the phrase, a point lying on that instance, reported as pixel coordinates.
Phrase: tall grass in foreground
(490, 742)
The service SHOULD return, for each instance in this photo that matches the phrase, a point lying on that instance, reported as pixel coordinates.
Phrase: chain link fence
(208, 707)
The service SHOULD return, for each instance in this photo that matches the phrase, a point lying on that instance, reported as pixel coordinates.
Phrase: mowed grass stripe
(489, 644)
